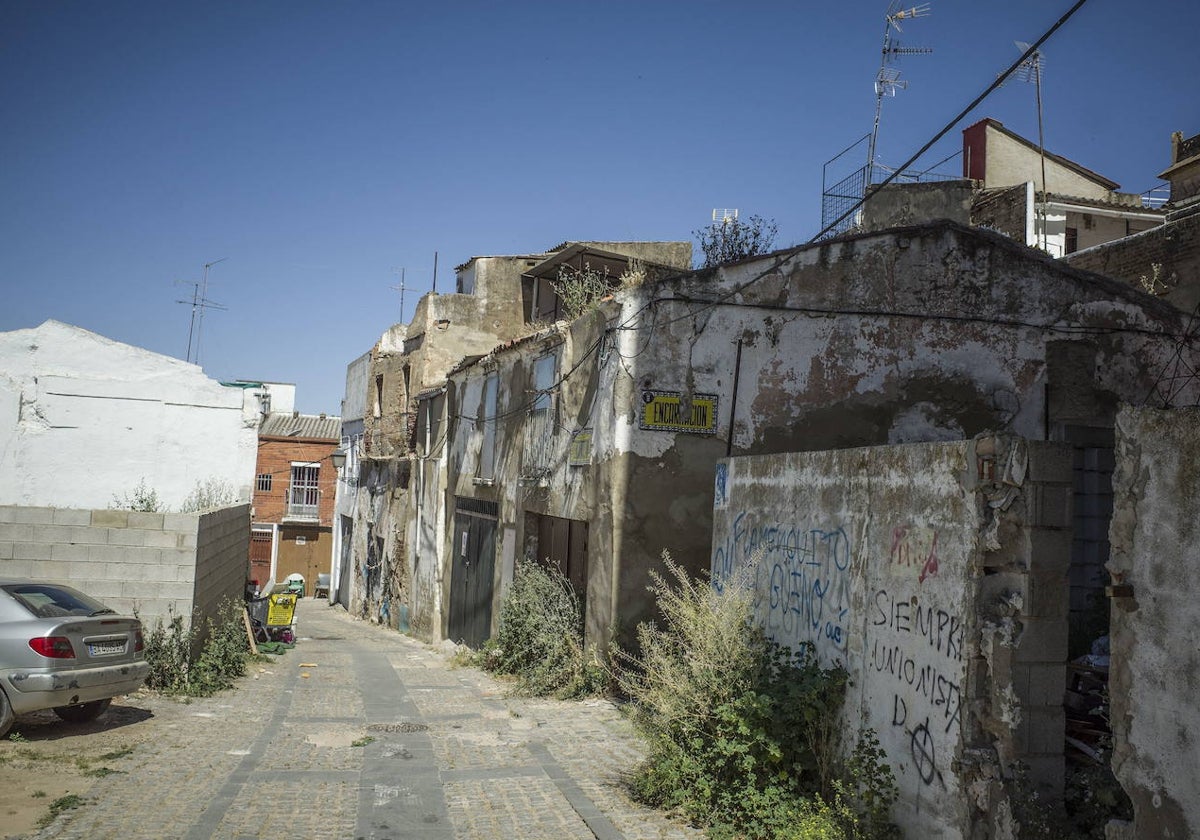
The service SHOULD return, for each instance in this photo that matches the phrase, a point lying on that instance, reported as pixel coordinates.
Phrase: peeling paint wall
(935, 333)
(1155, 670)
(934, 574)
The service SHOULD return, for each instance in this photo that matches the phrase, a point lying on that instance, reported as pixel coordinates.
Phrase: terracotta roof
(301, 426)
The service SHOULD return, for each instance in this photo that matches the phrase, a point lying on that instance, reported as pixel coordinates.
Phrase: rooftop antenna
(205, 303)
(199, 303)
(887, 80)
(724, 215)
(400, 289)
(1030, 70)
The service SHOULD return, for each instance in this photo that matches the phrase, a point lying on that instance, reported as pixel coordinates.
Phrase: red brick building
(293, 497)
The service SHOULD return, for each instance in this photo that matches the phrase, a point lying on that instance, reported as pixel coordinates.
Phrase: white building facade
(86, 421)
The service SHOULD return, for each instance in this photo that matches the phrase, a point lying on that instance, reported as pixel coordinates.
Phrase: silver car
(62, 650)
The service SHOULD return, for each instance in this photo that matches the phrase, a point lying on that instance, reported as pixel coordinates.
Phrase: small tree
(212, 493)
(143, 499)
(734, 239)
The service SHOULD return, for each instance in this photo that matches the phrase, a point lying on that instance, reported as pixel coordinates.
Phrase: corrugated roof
(303, 426)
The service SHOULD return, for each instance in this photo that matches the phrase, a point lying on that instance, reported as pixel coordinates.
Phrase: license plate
(106, 648)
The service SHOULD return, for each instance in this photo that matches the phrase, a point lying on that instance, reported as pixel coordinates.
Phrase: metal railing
(1156, 197)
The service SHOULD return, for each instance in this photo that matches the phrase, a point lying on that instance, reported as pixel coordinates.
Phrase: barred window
(263, 483)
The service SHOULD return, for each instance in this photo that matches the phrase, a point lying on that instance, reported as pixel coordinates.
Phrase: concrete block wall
(1154, 610)
(936, 573)
(222, 558)
(132, 561)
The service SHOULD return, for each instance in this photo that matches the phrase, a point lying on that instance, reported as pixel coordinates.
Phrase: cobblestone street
(360, 732)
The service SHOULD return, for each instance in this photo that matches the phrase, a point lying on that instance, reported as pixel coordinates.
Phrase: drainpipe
(737, 373)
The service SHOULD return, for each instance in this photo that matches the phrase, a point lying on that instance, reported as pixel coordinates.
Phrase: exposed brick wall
(1175, 246)
(1002, 210)
(275, 457)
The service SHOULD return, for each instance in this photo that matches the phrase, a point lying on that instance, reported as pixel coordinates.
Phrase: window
(1072, 240)
(377, 409)
(543, 381)
(539, 430)
(487, 420)
(262, 483)
(303, 495)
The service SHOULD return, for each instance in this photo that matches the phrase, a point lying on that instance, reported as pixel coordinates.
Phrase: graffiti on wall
(916, 656)
(800, 577)
(915, 548)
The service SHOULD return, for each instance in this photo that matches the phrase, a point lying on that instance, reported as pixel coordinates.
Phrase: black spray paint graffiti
(942, 630)
(909, 635)
(920, 742)
(801, 578)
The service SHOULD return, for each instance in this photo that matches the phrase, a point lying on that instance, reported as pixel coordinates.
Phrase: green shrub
(743, 732)
(540, 638)
(174, 669)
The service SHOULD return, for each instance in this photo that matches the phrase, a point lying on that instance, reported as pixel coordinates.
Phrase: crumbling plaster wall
(1155, 659)
(897, 205)
(563, 490)
(923, 334)
(917, 334)
(408, 360)
(934, 574)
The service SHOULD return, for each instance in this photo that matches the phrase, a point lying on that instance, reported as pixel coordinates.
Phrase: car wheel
(82, 712)
(6, 714)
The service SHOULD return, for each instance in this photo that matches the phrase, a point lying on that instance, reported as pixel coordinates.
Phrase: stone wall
(151, 563)
(1155, 660)
(936, 574)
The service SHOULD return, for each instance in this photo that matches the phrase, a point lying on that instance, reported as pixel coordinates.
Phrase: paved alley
(360, 732)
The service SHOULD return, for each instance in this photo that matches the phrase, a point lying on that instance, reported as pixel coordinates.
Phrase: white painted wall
(84, 418)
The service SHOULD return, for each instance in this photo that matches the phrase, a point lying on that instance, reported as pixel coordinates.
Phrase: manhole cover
(397, 727)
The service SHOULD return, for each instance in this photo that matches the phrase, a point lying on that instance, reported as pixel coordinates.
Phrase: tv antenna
(199, 302)
(887, 80)
(724, 215)
(1030, 70)
(400, 289)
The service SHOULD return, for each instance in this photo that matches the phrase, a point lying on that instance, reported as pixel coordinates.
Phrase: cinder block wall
(936, 573)
(151, 563)
(222, 557)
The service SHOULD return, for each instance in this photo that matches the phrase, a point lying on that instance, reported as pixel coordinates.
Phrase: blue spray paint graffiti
(800, 578)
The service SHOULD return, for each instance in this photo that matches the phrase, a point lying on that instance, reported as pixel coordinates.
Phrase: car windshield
(47, 600)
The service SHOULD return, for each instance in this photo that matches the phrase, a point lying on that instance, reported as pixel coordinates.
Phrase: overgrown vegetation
(174, 669)
(734, 239)
(744, 733)
(208, 494)
(580, 290)
(540, 640)
(143, 499)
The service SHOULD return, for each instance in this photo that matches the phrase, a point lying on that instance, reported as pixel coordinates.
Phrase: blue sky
(318, 147)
